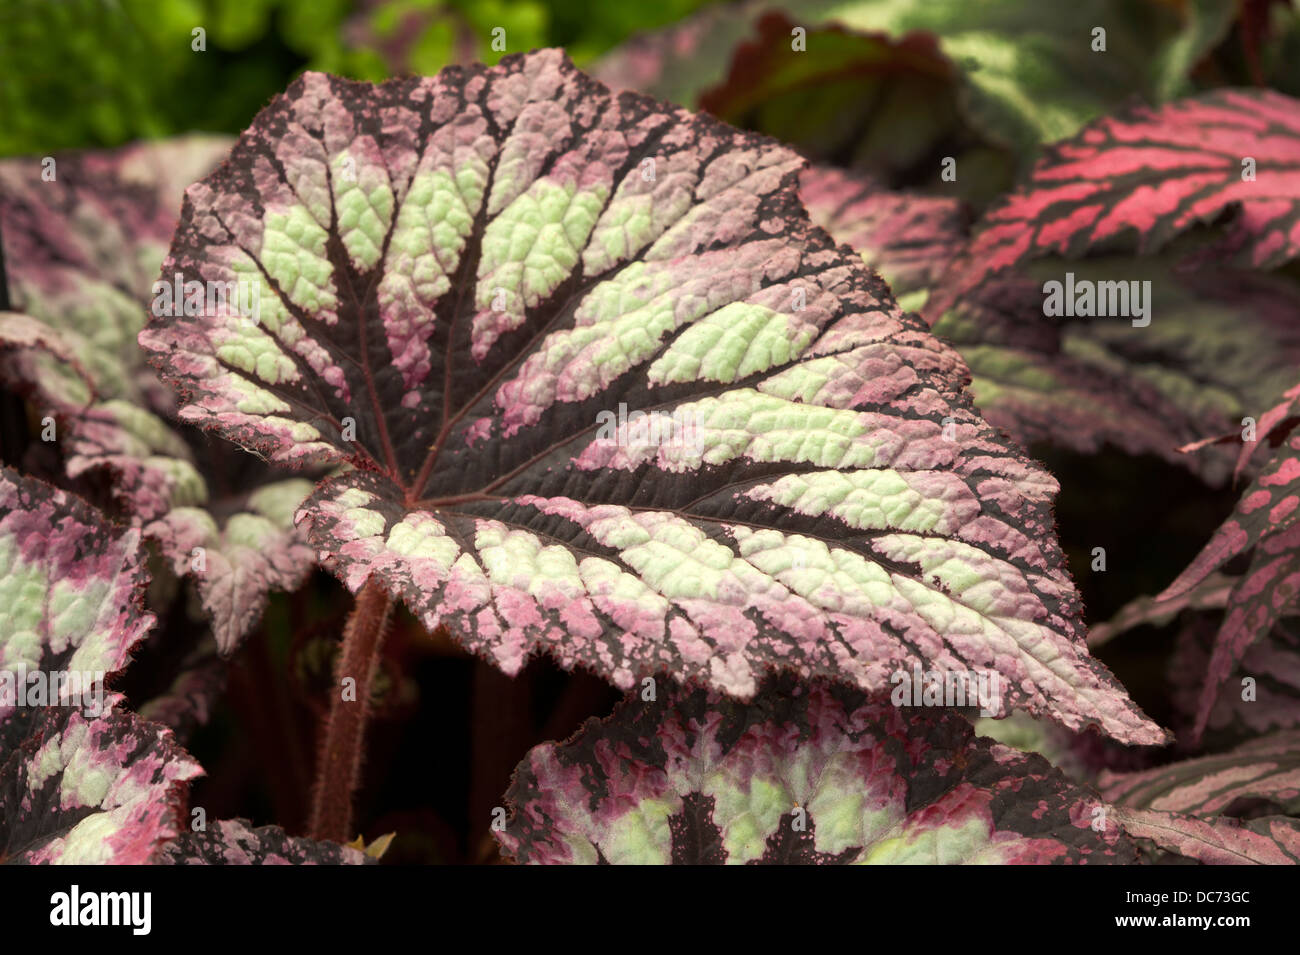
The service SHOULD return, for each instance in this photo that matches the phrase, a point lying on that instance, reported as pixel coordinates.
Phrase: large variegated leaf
(83, 783)
(81, 253)
(1150, 174)
(468, 283)
(803, 775)
(1193, 807)
(234, 842)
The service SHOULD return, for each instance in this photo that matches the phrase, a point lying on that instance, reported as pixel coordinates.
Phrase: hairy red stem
(338, 769)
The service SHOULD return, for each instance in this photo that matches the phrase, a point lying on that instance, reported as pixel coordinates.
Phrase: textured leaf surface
(909, 239)
(83, 784)
(1151, 174)
(1272, 840)
(257, 550)
(234, 842)
(802, 776)
(82, 254)
(89, 791)
(460, 275)
(1191, 807)
(70, 584)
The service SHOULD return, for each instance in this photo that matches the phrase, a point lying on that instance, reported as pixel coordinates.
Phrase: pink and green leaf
(70, 583)
(804, 775)
(84, 782)
(463, 279)
(235, 565)
(90, 790)
(81, 255)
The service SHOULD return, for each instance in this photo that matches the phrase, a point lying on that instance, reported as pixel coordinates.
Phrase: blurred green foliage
(87, 73)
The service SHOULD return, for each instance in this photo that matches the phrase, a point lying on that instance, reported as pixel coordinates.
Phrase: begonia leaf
(465, 283)
(804, 775)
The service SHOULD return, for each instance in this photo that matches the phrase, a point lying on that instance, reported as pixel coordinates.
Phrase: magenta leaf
(1270, 840)
(84, 782)
(806, 775)
(1151, 174)
(467, 285)
(1225, 341)
(1192, 807)
(1261, 694)
(234, 842)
